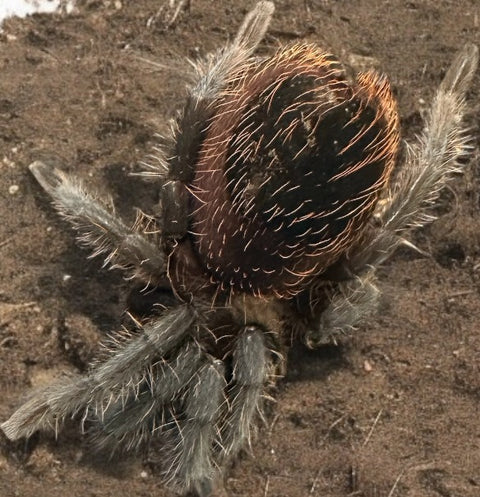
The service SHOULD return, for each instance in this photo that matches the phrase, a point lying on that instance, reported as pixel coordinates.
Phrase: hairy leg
(429, 166)
(210, 75)
(349, 303)
(189, 461)
(129, 423)
(98, 226)
(109, 381)
(249, 377)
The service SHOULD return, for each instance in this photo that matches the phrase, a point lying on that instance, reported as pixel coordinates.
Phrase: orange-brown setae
(290, 170)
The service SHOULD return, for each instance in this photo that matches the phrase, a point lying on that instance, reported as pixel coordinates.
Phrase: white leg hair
(213, 71)
(189, 456)
(351, 302)
(249, 378)
(109, 381)
(210, 76)
(129, 423)
(98, 226)
(429, 166)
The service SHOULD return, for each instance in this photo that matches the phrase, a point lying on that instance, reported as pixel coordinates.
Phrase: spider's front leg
(189, 464)
(96, 222)
(250, 375)
(186, 403)
(131, 422)
(110, 381)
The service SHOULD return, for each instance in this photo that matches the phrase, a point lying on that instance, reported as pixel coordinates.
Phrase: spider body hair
(291, 167)
(278, 204)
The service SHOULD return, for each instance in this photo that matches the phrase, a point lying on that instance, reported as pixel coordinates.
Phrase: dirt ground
(391, 412)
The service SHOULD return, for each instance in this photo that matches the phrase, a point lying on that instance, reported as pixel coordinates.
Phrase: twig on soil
(4, 307)
(6, 241)
(315, 481)
(170, 11)
(267, 484)
(353, 484)
(372, 428)
(53, 55)
(272, 424)
(335, 423)
(152, 63)
(390, 494)
(6, 341)
(462, 293)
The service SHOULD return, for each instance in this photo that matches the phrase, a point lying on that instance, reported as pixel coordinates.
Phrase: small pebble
(8, 162)
(367, 366)
(13, 189)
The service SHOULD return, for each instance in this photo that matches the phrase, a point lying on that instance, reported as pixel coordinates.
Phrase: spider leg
(187, 135)
(430, 164)
(99, 227)
(131, 422)
(107, 382)
(211, 74)
(190, 465)
(350, 303)
(250, 373)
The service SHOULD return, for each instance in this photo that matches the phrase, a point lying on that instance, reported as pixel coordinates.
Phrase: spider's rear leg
(429, 166)
(431, 162)
(211, 75)
(99, 227)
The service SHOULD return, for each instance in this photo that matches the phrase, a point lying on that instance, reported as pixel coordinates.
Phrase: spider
(281, 192)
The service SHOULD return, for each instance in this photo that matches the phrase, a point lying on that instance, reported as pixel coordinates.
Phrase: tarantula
(277, 205)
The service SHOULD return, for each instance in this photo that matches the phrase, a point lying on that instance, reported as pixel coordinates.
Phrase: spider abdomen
(290, 170)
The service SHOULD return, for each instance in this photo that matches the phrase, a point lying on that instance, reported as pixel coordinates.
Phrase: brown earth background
(391, 412)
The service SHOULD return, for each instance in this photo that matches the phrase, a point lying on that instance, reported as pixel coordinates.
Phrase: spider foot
(352, 302)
